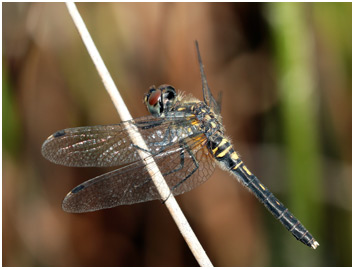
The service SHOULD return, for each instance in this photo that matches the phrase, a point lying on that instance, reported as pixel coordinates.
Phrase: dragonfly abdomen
(279, 211)
(223, 151)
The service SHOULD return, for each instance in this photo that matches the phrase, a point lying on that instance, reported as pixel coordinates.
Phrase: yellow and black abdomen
(223, 152)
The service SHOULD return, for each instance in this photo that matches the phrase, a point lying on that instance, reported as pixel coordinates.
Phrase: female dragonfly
(185, 137)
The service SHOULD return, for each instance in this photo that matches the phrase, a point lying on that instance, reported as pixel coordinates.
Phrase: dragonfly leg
(180, 166)
(196, 164)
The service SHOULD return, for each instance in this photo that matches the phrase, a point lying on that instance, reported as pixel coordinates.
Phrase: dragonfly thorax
(209, 120)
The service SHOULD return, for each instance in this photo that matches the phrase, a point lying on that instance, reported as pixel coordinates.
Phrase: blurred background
(285, 73)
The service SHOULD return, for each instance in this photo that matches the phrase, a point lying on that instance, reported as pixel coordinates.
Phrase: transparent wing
(107, 145)
(184, 165)
(208, 97)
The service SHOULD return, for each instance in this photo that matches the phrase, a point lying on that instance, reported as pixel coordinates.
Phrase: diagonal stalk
(136, 138)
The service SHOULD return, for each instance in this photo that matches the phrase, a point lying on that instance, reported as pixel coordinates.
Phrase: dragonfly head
(160, 100)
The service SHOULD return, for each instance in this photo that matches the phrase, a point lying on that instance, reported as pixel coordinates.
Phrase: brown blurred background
(285, 73)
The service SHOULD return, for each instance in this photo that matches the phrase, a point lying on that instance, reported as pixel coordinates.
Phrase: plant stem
(136, 138)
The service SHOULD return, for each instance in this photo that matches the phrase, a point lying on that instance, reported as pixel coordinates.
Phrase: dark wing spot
(59, 133)
(77, 189)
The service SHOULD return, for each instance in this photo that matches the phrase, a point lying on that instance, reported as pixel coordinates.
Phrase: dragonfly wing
(208, 97)
(119, 187)
(198, 165)
(105, 145)
(132, 184)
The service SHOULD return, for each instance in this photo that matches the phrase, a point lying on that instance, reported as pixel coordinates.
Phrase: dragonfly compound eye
(154, 98)
(169, 97)
(153, 101)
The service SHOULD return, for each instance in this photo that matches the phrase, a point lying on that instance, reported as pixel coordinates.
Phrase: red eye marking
(154, 98)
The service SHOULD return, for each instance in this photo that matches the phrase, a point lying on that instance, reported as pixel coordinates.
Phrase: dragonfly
(186, 139)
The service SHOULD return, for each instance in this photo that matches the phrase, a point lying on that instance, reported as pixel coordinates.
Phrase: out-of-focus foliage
(11, 123)
(285, 73)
